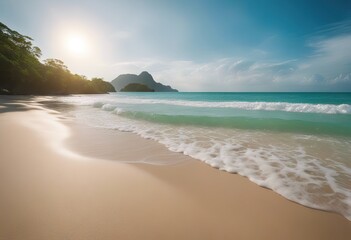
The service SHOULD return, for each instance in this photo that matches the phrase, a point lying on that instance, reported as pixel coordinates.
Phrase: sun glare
(77, 45)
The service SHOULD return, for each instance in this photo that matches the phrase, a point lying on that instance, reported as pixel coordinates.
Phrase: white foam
(258, 106)
(108, 107)
(263, 106)
(271, 106)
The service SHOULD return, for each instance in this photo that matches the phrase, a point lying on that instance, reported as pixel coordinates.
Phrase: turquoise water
(297, 144)
(319, 113)
(315, 98)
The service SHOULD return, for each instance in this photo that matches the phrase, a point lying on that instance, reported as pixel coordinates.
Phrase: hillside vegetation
(22, 72)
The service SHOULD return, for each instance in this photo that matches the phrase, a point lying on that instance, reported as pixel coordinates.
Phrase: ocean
(297, 144)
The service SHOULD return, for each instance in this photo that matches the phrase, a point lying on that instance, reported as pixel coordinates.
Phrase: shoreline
(52, 193)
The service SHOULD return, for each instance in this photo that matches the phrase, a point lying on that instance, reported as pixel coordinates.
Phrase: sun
(77, 44)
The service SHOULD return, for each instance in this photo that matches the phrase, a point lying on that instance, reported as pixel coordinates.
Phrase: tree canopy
(22, 72)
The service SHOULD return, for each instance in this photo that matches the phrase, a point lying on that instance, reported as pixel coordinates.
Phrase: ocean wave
(258, 106)
(243, 105)
(240, 122)
(108, 107)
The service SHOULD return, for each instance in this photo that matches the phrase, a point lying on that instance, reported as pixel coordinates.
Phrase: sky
(251, 45)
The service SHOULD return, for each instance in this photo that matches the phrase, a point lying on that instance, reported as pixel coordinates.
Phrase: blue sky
(198, 45)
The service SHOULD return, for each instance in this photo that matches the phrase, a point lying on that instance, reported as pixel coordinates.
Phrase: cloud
(330, 56)
(220, 75)
(337, 28)
(327, 68)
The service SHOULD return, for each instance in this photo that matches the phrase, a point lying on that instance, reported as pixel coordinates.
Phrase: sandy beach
(60, 180)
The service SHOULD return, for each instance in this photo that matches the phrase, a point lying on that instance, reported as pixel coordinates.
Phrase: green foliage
(136, 87)
(21, 71)
(101, 86)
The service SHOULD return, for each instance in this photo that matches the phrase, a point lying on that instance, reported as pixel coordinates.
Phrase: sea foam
(258, 106)
(263, 106)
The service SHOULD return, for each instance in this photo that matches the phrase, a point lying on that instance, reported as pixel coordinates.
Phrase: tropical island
(144, 82)
(22, 72)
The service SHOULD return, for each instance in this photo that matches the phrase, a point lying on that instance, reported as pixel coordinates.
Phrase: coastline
(51, 192)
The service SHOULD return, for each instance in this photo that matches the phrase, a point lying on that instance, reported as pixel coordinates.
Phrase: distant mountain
(136, 87)
(143, 78)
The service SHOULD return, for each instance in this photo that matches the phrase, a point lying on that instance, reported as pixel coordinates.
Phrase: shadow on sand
(15, 103)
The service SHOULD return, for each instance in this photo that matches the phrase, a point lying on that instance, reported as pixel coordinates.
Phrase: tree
(21, 71)
(56, 63)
